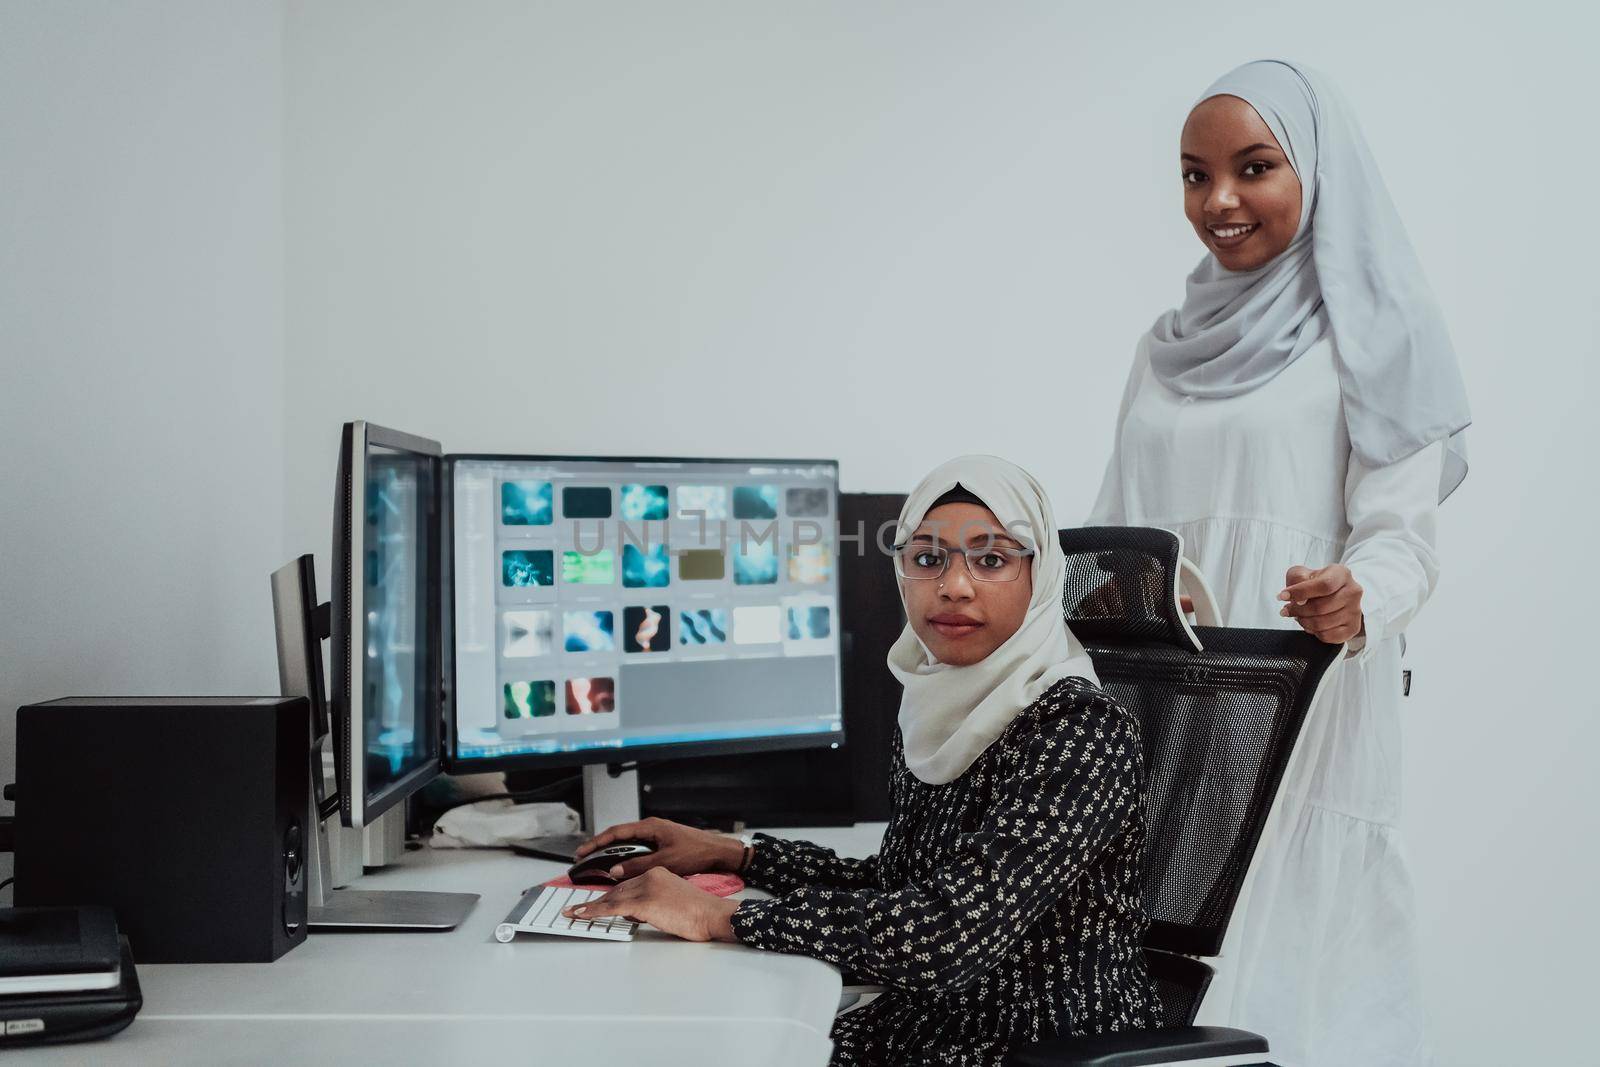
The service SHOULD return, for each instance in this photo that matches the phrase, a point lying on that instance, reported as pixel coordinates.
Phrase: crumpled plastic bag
(494, 823)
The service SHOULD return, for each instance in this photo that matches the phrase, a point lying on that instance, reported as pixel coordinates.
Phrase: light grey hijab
(1350, 271)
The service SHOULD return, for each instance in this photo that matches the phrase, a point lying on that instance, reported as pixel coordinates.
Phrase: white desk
(402, 998)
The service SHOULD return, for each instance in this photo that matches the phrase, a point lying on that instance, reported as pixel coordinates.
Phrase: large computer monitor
(620, 609)
(383, 622)
(386, 619)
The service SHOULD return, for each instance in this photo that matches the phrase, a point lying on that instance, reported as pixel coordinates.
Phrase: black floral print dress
(1003, 907)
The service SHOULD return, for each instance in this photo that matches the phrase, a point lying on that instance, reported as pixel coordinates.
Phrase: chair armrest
(1141, 1048)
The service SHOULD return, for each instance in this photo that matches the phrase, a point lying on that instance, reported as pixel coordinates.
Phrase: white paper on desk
(493, 823)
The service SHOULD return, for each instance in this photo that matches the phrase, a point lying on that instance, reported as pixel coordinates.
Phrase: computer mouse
(596, 866)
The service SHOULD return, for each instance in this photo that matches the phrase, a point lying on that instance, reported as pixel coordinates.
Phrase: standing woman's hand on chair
(1325, 602)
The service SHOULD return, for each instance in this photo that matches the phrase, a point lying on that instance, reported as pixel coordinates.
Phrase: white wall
(704, 228)
(141, 349)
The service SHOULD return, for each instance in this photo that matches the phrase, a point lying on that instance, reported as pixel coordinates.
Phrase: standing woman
(1298, 421)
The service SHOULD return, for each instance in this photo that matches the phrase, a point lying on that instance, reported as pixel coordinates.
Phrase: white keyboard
(539, 912)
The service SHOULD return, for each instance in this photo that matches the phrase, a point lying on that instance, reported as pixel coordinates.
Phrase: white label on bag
(23, 1026)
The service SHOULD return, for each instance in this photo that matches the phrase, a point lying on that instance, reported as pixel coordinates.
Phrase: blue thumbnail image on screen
(644, 502)
(703, 626)
(527, 503)
(645, 568)
(755, 502)
(756, 564)
(810, 623)
(706, 502)
(589, 631)
(527, 567)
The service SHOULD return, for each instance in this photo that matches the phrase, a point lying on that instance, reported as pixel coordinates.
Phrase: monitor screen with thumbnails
(610, 609)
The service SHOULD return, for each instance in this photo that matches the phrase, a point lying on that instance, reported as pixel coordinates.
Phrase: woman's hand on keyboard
(680, 849)
(666, 902)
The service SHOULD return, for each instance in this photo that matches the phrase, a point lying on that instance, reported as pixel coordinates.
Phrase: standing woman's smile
(1240, 193)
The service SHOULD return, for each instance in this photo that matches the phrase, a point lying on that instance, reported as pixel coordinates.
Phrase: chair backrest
(1221, 710)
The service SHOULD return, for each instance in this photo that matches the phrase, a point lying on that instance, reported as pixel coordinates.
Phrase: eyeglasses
(994, 563)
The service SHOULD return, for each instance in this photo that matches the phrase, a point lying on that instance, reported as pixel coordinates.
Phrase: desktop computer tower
(184, 815)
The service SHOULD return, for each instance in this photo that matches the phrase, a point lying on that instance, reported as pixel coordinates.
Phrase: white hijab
(949, 715)
(1350, 271)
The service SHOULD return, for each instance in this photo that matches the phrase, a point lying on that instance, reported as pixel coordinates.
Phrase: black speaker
(184, 815)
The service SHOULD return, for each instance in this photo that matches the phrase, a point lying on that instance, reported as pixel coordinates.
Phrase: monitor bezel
(457, 764)
(359, 808)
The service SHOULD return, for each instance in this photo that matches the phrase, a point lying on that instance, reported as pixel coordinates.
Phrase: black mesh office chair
(1222, 709)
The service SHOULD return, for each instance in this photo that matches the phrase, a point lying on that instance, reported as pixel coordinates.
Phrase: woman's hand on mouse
(680, 849)
(1325, 602)
(667, 902)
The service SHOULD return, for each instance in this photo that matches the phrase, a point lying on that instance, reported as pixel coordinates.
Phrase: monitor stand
(610, 796)
(302, 625)
(373, 909)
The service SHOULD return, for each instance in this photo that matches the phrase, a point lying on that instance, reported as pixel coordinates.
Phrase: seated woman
(1004, 906)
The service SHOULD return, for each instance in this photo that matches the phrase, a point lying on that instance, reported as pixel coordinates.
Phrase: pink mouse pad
(721, 885)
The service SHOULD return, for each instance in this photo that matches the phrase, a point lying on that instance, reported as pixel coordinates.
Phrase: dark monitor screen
(390, 581)
(608, 609)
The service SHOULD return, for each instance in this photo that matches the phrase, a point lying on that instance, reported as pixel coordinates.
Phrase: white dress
(1321, 957)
